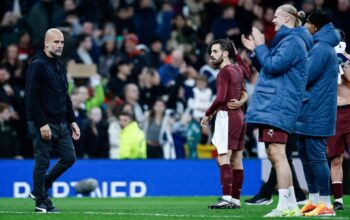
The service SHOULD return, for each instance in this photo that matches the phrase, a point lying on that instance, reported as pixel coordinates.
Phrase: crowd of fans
(153, 83)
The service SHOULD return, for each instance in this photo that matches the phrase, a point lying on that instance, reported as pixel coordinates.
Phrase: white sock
(326, 200)
(227, 198)
(283, 198)
(339, 200)
(314, 198)
(236, 201)
(292, 200)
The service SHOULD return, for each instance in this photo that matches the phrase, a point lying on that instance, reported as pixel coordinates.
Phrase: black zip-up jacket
(47, 98)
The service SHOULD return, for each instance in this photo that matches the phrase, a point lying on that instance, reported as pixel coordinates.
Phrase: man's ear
(225, 54)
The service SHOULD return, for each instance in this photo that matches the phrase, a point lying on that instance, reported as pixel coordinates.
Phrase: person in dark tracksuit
(50, 118)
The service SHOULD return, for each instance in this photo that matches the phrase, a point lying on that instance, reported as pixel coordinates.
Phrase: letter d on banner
(60, 189)
(138, 189)
(21, 189)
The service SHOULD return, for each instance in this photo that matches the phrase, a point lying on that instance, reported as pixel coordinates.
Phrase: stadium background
(160, 46)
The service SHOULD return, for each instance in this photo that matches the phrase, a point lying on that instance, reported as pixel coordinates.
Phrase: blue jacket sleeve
(278, 63)
(315, 64)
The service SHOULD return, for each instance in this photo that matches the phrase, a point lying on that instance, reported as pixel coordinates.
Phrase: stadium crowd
(152, 85)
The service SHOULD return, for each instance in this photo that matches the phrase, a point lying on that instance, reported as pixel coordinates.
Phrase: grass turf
(139, 208)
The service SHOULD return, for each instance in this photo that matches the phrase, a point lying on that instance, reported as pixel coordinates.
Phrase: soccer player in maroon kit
(229, 124)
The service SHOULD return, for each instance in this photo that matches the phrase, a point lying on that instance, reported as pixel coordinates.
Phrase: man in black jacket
(50, 118)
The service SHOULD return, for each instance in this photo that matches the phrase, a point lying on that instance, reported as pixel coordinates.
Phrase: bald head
(54, 42)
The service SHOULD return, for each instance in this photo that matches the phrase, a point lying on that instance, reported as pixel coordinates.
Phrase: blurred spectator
(107, 58)
(182, 34)
(89, 29)
(308, 6)
(11, 27)
(82, 54)
(145, 19)
(245, 15)
(120, 73)
(123, 20)
(269, 27)
(15, 66)
(164, 18)
(97, 11)
(114, 129)
(96, 99)
(210, 72)
(319, 4)
(201, 99)
(341, 17)
(95, 135)
(9, 94)
(82, 121)
(69, 6)
(132, 53)
(169, 72)
(212, 10)
(156, 56)
(9, 144)
(150, 87)
(131, 96)
(195, 8)
(25, 48)
(226, 25)
(44, 14)
(132, 138)
(157, 127)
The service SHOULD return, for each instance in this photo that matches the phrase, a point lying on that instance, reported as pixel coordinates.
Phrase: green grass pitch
(140, 209)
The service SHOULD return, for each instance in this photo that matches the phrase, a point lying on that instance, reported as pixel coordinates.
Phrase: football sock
(226, 179)
(237, 181)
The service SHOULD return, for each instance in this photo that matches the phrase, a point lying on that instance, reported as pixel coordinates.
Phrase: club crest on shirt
(270, 133)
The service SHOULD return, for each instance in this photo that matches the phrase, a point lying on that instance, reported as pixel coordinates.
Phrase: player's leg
(237, 176)
(42, 149)
(337, 181)
(226, 182)
(299, 193)
(63, 145)
(316, 151)
(309, 176)
(277, 156)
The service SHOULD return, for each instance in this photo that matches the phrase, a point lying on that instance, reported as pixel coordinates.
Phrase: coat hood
(302, 32)
(328, 34)
(305, 35)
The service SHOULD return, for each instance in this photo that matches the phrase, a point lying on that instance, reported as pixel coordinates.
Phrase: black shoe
(259, 200)
(338, 206)
(223, 204)
(50, 207)
(40, 207)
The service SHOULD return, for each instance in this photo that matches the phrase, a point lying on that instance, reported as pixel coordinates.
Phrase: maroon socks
(226, 179)
(237, 182)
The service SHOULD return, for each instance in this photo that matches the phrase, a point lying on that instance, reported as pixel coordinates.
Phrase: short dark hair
(225, 45)
(319, 19)
(3, 106)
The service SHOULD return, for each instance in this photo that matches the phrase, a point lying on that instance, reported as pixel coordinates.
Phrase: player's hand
(248, 42)
(234, 104)
(258, 37)
(45, 132)
(205, 121)
(75, 131)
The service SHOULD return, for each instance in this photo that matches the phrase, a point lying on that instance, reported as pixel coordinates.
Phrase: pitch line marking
(146, 214)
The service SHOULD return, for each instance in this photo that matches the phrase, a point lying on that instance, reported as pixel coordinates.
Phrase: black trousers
(61, 142)
(268, 188)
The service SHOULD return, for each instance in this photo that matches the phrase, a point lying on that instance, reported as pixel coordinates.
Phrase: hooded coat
(279, 90)
(319, 107)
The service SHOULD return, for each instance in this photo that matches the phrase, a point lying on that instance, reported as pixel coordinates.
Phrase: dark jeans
(268, 188)
(61, 143)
